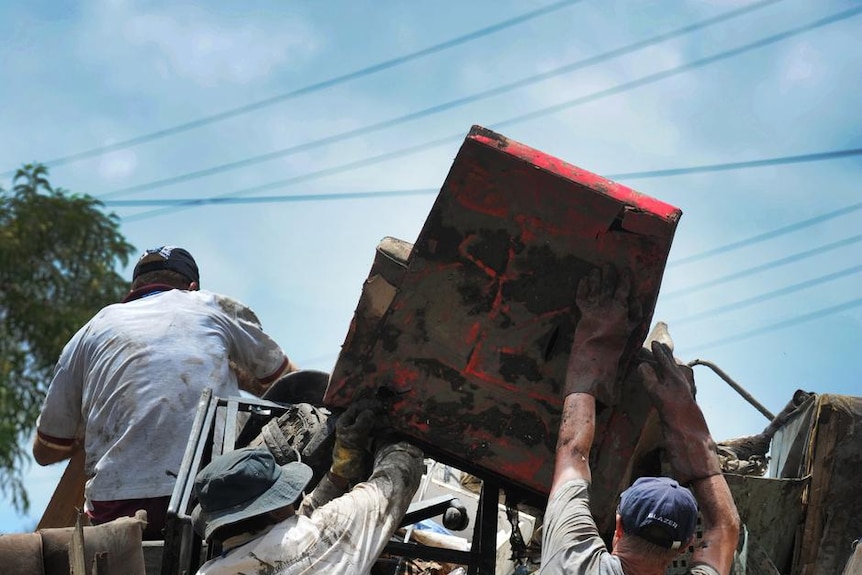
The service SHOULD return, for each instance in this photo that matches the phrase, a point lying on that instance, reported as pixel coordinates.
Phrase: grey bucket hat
(242, 484)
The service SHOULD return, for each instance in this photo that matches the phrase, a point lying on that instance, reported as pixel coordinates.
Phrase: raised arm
(691, 453)
(607, 318)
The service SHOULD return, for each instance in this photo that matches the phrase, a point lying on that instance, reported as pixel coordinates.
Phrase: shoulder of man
(231, 307)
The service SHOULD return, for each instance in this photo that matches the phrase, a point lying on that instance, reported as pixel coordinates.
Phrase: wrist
(337, 480)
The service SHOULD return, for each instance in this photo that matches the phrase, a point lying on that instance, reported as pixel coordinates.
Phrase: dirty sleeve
(61, 414)
(571, 544)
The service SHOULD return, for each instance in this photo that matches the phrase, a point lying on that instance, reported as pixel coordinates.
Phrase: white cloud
(191, 42)
(801, 64)
(117, 165)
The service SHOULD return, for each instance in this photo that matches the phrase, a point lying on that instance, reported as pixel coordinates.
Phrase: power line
(780, 325)
(652, 78)
(816, 157)
(763, 267)
(767, 235)
(194, 202)
(456, 103)
(233, 112)
(735, 306)
(739, 165)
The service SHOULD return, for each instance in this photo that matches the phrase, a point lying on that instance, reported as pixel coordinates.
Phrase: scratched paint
(472, 352)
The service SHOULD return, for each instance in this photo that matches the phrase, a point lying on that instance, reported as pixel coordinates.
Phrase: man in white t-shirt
(126, 386)
(256, 510)
(656, 516)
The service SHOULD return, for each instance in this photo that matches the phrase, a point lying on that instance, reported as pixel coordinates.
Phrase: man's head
(244, 484)
(660, 511)
(166, 264)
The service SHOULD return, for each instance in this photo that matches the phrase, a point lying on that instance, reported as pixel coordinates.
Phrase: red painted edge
(583, 177)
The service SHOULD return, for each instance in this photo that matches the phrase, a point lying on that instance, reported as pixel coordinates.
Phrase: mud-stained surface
(472, 351)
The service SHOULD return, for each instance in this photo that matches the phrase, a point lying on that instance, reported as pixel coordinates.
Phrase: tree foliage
(58, 256)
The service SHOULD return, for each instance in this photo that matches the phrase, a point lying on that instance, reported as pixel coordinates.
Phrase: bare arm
(721, 523)
(46, 452)
(691, 453)
(600, 339)
(577, 429)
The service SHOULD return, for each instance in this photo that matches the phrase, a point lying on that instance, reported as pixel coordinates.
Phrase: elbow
(727, 530)
(42, 458)
(734, 524)
(45, 455)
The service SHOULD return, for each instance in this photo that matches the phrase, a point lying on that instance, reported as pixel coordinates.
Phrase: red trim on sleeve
(276, 374)
(55, 442)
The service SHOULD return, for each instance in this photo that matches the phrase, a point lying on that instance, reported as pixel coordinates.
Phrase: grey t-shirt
(571, 544)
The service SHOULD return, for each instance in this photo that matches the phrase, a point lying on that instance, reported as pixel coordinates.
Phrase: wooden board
(68, 497)
(472, 348)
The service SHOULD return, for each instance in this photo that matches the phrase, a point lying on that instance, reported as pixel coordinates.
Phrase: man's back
(136, 371)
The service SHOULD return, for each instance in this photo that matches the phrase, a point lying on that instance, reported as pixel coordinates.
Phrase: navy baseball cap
(168, 258)
(659, 510)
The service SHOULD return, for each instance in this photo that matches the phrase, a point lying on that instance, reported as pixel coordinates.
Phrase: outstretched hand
(609, 314)
(687, 441)
(668, 383)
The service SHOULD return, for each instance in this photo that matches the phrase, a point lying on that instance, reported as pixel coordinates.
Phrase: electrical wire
(775, 161)
(194, 202)
(748, 302)
(763, 267)
(436, 109)
(652, 78)
(318, 86)
(738, 165)
(794, 227)
(776, 326)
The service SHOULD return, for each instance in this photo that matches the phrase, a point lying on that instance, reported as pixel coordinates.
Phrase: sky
(134, 101)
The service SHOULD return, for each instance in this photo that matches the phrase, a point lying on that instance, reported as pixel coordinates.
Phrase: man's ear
(618, 531)
(193, 286)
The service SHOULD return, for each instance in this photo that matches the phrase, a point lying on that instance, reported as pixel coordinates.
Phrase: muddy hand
(666, 382)
(608, 316)
(688, 443)
(352, 439)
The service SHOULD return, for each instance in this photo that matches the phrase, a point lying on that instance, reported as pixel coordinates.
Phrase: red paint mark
(403, 376)
(462, 250)
(533, 228)
(472, 194)
(525, 466)
(473, 334)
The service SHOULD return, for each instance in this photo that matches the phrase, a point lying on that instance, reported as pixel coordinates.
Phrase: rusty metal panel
(472, 348)
(833, 518)
(765, 502)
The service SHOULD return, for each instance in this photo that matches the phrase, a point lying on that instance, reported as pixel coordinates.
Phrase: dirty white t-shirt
(571, 544)
(129, 382)
(342, 537)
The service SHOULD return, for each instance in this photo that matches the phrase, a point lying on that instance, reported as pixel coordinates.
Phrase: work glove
(353, 439)
(690, 448)
(608, 315)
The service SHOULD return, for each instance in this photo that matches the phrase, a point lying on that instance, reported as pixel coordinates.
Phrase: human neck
(634, 565)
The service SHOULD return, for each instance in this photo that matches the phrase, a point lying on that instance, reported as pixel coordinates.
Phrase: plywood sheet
(472, 349)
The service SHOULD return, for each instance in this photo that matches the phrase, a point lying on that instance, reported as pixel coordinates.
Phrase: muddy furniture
(466, 334)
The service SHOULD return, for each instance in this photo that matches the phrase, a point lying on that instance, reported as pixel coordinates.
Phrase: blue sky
(777, 315)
